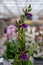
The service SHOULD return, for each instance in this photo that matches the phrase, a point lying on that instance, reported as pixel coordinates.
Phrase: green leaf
(40, 35)
(11, 49)
(19, 62)
(28, 62)
(29, 9)
(15, 60)
(32, 49)
(21, 41)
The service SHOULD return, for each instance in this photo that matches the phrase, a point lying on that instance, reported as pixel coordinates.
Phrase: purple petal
(24, 56)
(29, 14)
(24, 26)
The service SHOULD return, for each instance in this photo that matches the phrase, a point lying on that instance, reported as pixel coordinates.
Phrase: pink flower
(10, 29)
(11, 32)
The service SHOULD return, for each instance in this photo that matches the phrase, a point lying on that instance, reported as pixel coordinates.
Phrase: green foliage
(22, 18)
(17, 61)
(27, 9)
(10, 50)
(32, 49)
(28, 62)
(40, 35)
(20, 62)
(21, 41)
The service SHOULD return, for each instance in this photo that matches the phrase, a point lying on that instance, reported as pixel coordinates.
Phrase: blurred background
(11, 11)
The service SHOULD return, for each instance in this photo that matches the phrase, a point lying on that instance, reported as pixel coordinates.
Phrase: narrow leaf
(32, 49)
(15, 60)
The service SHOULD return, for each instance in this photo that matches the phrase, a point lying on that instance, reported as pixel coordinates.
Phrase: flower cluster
(28, 15)
(17, 32)
(11, 34)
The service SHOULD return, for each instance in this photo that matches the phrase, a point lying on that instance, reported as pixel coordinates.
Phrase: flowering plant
(15, 45)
